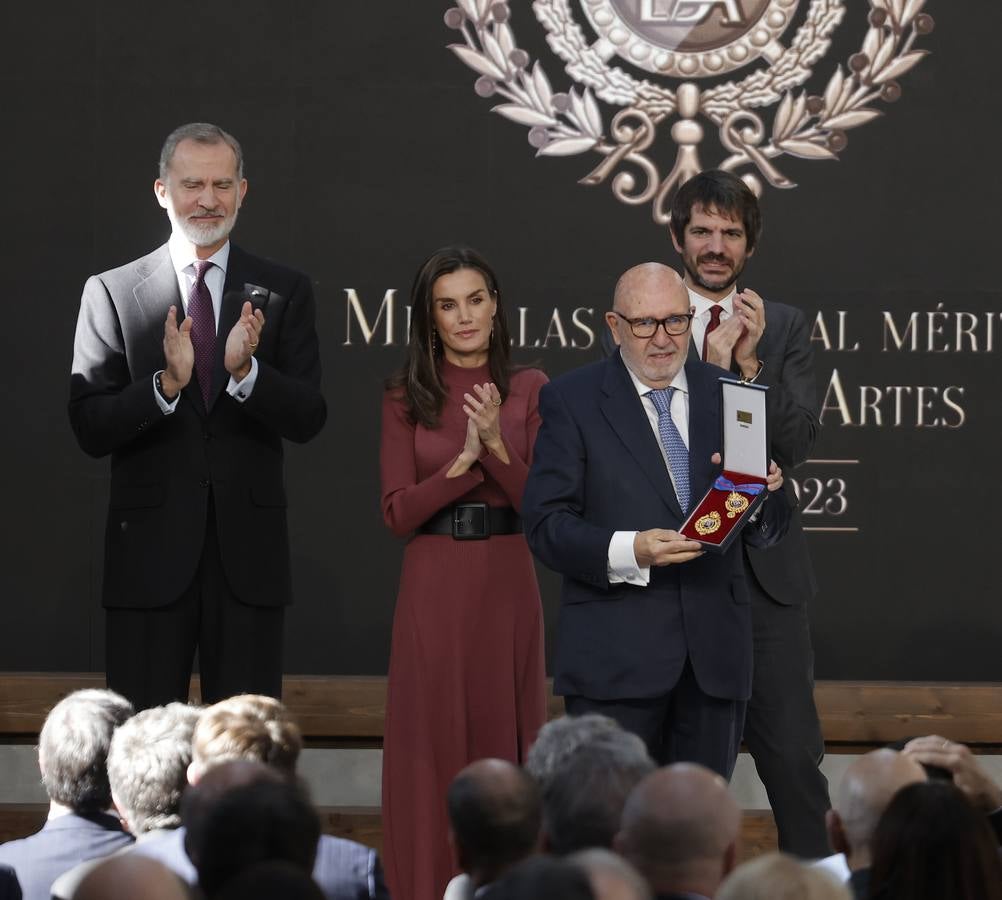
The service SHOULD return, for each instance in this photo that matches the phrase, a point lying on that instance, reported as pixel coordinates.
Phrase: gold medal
(709, 523)
(735, 504)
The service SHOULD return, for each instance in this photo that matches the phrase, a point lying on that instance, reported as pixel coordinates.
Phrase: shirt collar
(679, 381)
(182, 256)
(703, 305)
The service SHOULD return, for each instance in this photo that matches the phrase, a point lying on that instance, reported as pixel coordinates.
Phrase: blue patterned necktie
(203, 329)
(671, 440)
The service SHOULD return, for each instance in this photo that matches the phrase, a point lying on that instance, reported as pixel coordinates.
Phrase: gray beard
(206, 236)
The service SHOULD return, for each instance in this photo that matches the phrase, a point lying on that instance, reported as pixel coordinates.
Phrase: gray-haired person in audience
(559, 738)
(258, 728)
(611, 877)
(583, 799)
(147, 771)
(680, 829)
(72, 757)
(494, 820)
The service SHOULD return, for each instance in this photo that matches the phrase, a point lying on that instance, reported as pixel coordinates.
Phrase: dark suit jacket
(345, 870)
(163, 467)
(10, 889)
(784, 569)
(63, 843)
(597, 468)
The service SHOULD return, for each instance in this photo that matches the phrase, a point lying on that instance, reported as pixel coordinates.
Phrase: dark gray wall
(367, 148)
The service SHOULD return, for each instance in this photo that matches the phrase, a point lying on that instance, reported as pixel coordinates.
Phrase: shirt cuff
(166, 407)
(623, 563)
(241, 390)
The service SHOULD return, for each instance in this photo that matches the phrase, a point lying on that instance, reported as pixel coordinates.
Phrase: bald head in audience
(776, 876)
(680, 829)
(127, 877)
(494, 818)
(867, 788)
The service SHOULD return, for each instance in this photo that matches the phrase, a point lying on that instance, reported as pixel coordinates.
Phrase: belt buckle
(471, 522)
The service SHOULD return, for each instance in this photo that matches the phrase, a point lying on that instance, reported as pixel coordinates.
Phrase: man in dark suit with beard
(715, 225)
(190, 367)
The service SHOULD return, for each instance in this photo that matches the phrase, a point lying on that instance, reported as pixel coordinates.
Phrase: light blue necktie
(671, 440)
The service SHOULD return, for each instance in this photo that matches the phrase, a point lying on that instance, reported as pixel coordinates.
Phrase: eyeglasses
(648, 327)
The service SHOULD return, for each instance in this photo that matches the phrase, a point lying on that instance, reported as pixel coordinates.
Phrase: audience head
(583, 800)
(559, 738)
(241, 813)
(129, 875)
(680, 829)
(270, 880)
(776, 876)
(494, 814)
(867, 787)
(543, 878)
(931, 843)
(148, 765)
(245, 727)
(611, 877)
(73, 748)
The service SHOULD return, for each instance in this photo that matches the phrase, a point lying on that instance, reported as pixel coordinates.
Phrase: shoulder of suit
(584, 376)
(259, 268)
(137, 269)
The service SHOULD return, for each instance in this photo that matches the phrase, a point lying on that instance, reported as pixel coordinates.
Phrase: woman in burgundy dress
(466, 668)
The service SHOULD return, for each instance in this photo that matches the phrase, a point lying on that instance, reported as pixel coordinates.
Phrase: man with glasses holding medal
(653, 631)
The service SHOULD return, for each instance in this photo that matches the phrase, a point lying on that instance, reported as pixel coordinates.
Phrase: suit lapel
(157, 291)
(624, 411)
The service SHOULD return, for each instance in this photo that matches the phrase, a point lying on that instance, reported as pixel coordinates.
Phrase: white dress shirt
(701, 316)
(183, 259)
(622, 565)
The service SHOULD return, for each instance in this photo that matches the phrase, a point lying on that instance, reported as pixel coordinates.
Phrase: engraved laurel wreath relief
(681, 45)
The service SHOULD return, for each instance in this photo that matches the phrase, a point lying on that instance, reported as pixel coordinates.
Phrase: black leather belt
(473, 521)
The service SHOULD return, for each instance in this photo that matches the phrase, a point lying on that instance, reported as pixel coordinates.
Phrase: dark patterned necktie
(714, 323)
(203, 328)
(671, 440)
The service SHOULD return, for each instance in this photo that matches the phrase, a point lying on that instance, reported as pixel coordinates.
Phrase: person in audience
(72, 757)
(542, 878)
(259, 728)
(680, 829)
(962, 766)
(931, 844)
(494, 820)
(246, 814)
(268, 880)
(611, 877)
(559, 738)
(128, 877)
(147, 771)
(583, 800)
(10, 889)
(867, 787)
(777, 876)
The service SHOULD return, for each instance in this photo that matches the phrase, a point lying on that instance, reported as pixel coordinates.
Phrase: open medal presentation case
(740, 488)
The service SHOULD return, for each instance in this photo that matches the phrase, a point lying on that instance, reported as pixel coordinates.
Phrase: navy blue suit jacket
(63, 843)
(597, 468)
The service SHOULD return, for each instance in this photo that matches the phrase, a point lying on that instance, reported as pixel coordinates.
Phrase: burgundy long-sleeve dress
(467, 677)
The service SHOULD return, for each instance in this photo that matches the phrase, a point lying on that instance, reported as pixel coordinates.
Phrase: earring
(434, 341)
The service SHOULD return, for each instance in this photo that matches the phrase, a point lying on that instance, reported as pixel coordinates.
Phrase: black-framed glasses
(647, 327)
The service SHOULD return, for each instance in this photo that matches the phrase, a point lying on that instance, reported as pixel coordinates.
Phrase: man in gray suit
(191, 366)
(715, 225)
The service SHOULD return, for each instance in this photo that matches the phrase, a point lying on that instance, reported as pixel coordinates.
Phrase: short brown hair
(248, 726)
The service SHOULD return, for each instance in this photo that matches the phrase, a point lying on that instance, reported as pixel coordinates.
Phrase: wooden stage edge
(348, 710)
